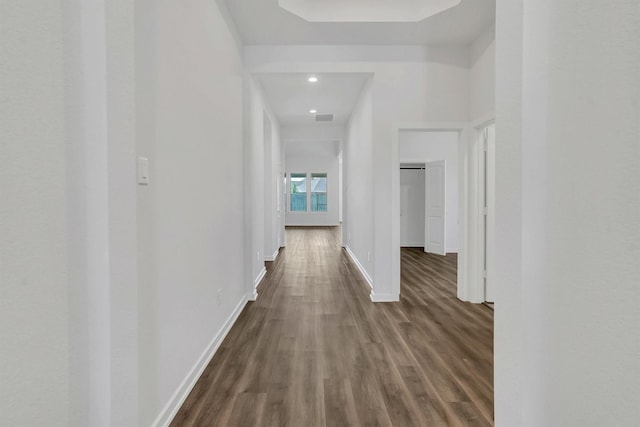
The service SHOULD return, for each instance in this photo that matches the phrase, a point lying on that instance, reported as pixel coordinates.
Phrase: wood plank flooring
(314, 351)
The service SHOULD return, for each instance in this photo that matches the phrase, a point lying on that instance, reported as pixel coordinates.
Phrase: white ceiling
(291, 96)
(366, 10)
(264, 22)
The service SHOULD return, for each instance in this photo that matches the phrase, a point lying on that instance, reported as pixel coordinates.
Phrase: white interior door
(435, 186)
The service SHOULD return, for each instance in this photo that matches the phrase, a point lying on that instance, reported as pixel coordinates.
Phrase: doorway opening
(429, 194)
(412, 205)
(429, 190)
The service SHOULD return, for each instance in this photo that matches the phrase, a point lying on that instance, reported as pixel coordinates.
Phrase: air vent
(324, 117)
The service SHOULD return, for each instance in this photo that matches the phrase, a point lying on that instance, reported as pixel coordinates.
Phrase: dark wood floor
(314, 351)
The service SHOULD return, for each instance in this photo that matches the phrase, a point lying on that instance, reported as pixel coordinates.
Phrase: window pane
(318, 192)
(298, 192)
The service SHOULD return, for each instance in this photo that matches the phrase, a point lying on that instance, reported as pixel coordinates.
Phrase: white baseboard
(274, 256)
(384, 297)
(258, 279)
(421, 245)
(355, 260)
(315, 224)
(180, 395)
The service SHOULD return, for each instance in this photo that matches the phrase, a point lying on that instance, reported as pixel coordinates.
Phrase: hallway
(314, 351)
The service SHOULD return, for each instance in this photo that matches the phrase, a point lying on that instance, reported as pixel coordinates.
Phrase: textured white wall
(34, 296)
(431, 146)
(191, 215)
(581, 212)
(508, 319)
(122, 198)
(68, 55)
(566, 338)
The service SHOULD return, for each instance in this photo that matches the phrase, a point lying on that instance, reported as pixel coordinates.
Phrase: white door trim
(487, 170)
(463, 130)
(476, 232)
(470, 288)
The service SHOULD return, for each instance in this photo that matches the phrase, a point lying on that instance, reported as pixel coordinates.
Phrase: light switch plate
(143, 171)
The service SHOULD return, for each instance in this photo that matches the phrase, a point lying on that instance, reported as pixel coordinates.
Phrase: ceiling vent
(324, 117)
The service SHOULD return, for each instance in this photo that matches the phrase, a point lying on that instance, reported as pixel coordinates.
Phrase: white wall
(123, 289)
(253, 184)
(263, 159)
(71, 269)
(357, 227)
(412, 207)
(437, 92)
(310, 157)
(566, 324)
(274, 190)
(191, 227)
(321, 132)
(482, 76)
(410, 84)
(273, 187)
(481, 112)
(508, 338)
(414, 146)
(34, 293)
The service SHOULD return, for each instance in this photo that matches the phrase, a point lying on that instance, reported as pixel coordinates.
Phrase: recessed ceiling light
(313, 111)
(312, 79)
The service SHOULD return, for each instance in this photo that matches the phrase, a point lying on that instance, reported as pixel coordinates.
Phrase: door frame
(470, 287)
(486, 192)
(464, 291)
(476, 237)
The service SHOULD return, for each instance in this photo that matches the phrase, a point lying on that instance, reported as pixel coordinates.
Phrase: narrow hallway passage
(314, 351)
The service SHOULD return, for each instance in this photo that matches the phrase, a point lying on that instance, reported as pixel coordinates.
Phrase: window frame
(326, 192)
(308, 177)
(306, 185)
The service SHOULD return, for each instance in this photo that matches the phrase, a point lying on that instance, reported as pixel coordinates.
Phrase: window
(298, 192)
(308, 192)
(318, 192)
